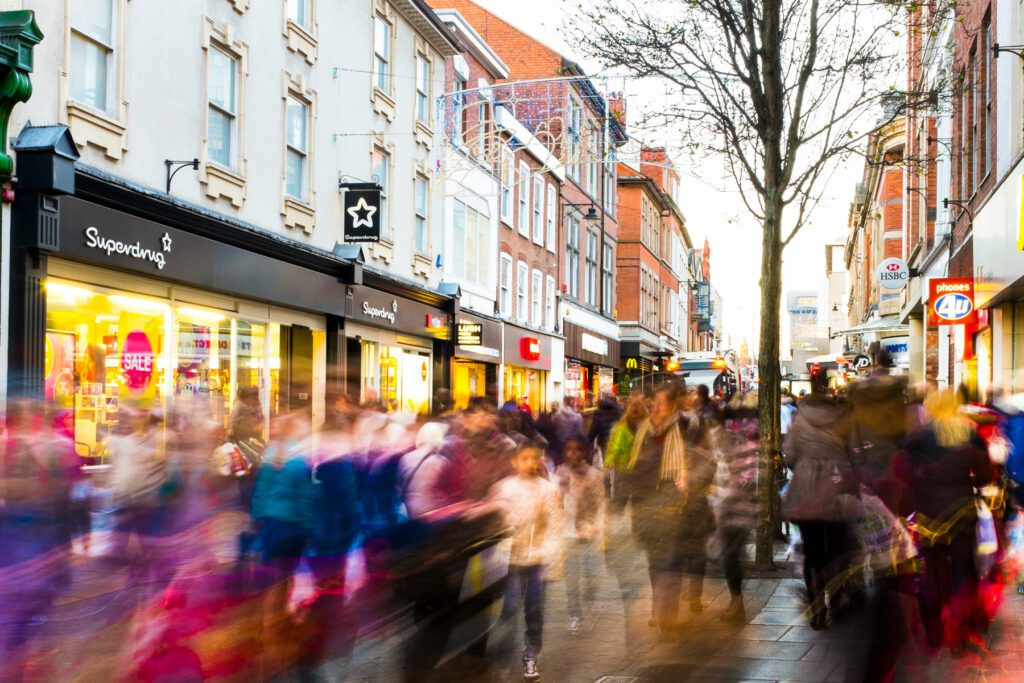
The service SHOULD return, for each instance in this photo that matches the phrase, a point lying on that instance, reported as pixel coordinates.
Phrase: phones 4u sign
(951, 301)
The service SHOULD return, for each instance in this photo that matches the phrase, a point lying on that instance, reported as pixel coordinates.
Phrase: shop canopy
(880, 326)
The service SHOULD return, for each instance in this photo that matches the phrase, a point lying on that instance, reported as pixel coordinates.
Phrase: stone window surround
(423, 132)
(219, 182)
(299, 213)
(107, 131)
(383, 102)
(421, 262)
(302, 41)
(384, 250)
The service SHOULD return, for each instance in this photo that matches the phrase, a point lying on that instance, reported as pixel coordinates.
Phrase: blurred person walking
(583, 499)
(34, 534)
(816, 452)
(607, 415)
(738, 446)
(533, 510)
(671, 515)
(944, 462)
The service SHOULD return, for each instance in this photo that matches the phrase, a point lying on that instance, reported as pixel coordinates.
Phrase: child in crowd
(533, 510)
(582, 487)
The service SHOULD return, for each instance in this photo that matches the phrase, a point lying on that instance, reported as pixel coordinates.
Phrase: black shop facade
(121, 299)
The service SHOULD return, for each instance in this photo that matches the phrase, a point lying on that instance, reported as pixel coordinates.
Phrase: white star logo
(360, 207)
(394, 306)
(166, 242)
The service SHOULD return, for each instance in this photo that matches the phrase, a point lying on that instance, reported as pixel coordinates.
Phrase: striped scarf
(673, 450)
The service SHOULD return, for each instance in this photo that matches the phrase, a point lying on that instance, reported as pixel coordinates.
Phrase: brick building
(559, 105)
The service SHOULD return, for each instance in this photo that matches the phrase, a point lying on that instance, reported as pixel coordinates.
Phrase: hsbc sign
(893, 273)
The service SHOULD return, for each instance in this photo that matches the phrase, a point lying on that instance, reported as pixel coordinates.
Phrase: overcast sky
(710, 201)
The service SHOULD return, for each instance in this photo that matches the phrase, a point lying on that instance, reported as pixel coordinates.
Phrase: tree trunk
(769, 383)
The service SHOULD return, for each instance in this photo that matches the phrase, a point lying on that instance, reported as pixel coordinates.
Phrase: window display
(109, 350)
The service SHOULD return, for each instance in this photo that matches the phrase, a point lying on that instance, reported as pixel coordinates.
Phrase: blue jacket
(285, 493)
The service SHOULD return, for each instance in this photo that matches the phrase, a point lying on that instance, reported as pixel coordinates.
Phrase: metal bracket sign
(361, 213)
(951, 301)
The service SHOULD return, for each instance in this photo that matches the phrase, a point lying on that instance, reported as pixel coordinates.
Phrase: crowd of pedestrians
(473, 515)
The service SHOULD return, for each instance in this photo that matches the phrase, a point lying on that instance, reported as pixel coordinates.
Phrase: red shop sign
(529, 348)
(951, 301)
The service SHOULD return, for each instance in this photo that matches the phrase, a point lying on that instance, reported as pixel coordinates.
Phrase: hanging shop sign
(470, 334)
(362, 214)
(951, 301)
(893, 273)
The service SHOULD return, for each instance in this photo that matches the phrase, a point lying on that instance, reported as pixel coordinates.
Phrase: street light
(591, 214)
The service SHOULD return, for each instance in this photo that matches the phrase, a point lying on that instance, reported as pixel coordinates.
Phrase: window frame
(507, 186)
(551, 223)
(608, 279)
(522, 291)
(292, 16)
(423, 96)
(572, 256)
(421, 220)
(549, 302)
(110, 66)
(538, 210)
(524, 199)
(590, 275)
(388, 76)
(385, 185)
(505, 285)
(304, 153)
(232, 114)
(593, 164)
(536, 297)
(574, 124)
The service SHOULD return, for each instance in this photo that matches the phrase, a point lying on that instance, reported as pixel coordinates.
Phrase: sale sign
(951, 301)
(137, 362)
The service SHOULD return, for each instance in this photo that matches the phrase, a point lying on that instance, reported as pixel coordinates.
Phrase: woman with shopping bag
(944, 462)
(815, 451)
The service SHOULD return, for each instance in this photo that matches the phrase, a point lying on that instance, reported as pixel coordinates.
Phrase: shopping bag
(987, 541)
(883, 537)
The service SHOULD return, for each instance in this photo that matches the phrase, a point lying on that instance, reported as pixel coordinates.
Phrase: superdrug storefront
(119, 298)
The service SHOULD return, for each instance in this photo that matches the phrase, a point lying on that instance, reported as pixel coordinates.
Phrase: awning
(881, 325)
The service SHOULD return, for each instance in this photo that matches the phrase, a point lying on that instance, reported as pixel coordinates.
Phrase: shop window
(108, 350)
(526, 385)
(397, 378)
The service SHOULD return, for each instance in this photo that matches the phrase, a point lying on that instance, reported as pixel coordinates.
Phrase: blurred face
(526, 462)
(479, 422)
(662, 408)
(574, 453)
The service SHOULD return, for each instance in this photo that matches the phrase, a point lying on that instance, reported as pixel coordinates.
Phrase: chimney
(617, 108)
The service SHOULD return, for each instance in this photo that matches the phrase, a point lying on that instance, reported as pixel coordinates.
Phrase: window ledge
(421, 265)
(298, 214)
(424, 135)
(383, 104)
(98, 129)
(301, 41)
(219, 182)
(239, 6)
(382, 251)
(507, 222)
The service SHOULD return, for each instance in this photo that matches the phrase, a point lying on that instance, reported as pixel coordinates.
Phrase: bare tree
(779, 89)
